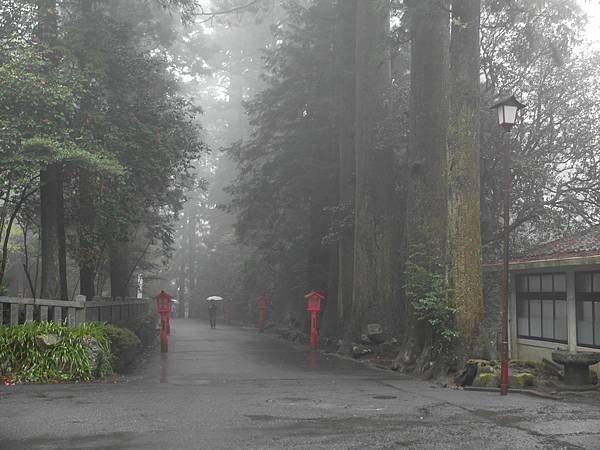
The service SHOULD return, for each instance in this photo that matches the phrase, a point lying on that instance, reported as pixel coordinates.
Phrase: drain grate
(384, 397)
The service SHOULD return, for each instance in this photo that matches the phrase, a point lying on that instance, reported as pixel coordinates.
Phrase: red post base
(164, 332)
(164, 342)
(504, 378)
(261, 319)
(314, 337)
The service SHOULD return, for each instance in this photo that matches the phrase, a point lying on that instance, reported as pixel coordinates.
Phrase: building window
(542, 307)
(587, 296)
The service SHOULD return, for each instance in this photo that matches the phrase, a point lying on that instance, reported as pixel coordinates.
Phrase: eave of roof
(548, 263)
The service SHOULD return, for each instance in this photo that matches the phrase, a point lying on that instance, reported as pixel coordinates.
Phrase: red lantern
(163, 307)
(313, 306)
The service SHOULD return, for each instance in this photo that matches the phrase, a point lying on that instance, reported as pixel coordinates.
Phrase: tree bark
(345, 44)
(50, 266)
(464, 233)
(373, 293)
(47, 29)
(61, 238)
(119, 269)
(87, 250)
(426, 216)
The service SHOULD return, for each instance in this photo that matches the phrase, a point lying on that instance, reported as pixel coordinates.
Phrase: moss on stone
(522, 380)
(486, 380)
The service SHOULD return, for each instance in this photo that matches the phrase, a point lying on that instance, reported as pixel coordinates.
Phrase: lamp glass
(510, 114)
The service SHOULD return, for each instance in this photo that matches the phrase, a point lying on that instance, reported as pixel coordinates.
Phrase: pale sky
(592, 8)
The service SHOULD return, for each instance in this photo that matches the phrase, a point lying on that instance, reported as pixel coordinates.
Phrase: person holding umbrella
(212, 309)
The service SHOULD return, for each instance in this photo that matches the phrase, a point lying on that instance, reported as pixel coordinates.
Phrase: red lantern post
(261, 304)
(313, 306)
(163, 307)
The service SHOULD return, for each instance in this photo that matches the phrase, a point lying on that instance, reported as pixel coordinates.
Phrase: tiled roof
(582, 244)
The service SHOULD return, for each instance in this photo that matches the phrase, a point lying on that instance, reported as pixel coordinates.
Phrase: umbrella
(214, 298)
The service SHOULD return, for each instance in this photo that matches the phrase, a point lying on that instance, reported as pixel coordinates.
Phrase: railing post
(57, 314)
(28, 313)
(80, 310)
(14, 313)
(43, 314)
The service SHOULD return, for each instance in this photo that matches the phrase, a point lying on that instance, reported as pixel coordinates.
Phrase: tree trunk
(88, 253)
(345, 68)
(49, 177)
(426, 217)
(48, 199)
(119, 269)
(464, 234)
(373, 293)
(87, 250)
(61, 238)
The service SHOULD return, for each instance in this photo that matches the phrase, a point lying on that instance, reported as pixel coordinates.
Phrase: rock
(48, 340)
(360, 350)
(375, 333)
(466, 376)
(576, 364)
(551, 368)
(94, 352)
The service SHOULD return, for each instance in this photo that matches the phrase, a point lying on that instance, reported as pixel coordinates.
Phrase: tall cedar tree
(54, 272)
(289, 160)
(426, 215)
(345, 54)
(374, 243)
(464, 232)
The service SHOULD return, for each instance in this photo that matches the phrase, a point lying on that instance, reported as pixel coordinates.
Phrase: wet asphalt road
(233, 388)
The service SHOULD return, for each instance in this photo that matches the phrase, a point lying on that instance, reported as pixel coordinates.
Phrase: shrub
(124, 346)
(145, 329)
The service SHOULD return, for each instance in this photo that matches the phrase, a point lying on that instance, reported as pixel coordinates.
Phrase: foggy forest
(249, 148)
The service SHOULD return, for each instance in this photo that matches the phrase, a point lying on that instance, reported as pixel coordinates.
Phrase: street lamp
(507, 117)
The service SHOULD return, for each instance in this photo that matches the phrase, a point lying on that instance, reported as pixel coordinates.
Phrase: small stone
(360, 350)
(48, 340)
(375, 333)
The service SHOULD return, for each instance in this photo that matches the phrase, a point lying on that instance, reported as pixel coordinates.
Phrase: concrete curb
(515, 391)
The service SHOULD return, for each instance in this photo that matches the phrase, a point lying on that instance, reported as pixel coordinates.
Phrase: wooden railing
(18, 310)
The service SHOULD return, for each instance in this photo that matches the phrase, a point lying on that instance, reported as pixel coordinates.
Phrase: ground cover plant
(49, 352)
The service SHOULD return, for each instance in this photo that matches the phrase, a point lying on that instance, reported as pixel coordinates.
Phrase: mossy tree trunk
(464, 233)
(426, 216)
(373, 293)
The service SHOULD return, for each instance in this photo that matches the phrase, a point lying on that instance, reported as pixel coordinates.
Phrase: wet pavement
(233, 388)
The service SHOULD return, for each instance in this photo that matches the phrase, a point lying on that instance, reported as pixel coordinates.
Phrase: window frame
(594, 298)
(554, 296)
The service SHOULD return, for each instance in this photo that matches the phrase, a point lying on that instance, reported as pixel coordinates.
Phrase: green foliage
(145, 329)
(432, 303)
(124, 346)
(27, 355)
(49, 149)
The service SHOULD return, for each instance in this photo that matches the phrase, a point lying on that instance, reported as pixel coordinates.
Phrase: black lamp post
(507, 117)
